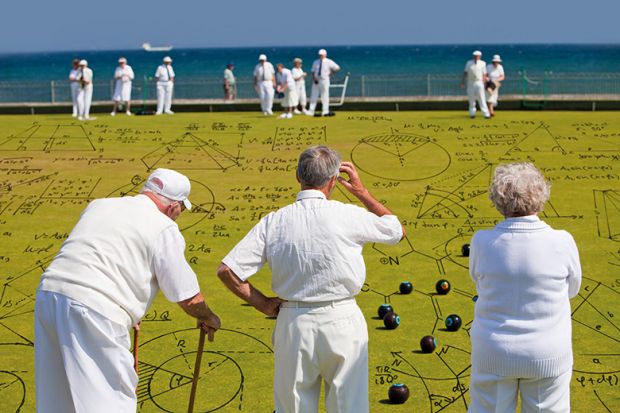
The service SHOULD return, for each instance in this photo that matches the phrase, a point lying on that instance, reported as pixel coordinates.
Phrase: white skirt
(122, 91)
(291, 98)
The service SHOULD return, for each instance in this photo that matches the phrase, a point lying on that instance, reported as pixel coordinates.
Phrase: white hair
(164, 200)
(317, 165)
(519, 189)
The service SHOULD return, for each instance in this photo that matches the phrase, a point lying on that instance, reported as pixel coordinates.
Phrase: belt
(315, 304)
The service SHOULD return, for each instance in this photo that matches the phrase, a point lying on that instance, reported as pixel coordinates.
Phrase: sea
(209, 63)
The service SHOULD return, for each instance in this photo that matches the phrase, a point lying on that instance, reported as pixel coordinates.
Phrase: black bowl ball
(391, 320)
(428, 344)
(443, 287)
(405, 287)
(383, 310)
(398, 393)
(453, 322)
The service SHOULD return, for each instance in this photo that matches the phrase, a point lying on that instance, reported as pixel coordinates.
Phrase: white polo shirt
(287, 77)
(324, 70)
(264, 72)
(298, 74)
(475, 70)
(313, 247)
(495, 72)
(124, 74)
(86, 74)
(164, 73)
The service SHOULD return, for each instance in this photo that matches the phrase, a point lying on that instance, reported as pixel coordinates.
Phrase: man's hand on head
(354, 183)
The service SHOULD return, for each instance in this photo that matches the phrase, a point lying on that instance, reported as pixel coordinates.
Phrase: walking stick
(192, 394)
(136, 333)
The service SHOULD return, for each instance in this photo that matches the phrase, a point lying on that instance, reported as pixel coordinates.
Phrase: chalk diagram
(166, 365)
(539, 140)
(12, 392)
(202, 198)
(607, 211)
(400, 157)
(296, 138)
(217, 151)
(49, 138)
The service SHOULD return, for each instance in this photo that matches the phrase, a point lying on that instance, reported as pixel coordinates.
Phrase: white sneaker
(283, 116)
(169, 112)
(112, 113)
(80, 117)
(297, 112)
(74, 115)
(158, 113)
(128, 113)
(309, 112)
(289, 116)
(90, 118)
(270, 113)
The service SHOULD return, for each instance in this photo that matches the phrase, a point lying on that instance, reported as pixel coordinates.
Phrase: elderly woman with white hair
(525, 273)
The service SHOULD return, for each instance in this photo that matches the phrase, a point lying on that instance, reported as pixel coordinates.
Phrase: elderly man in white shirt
(300, 84)
(264, 84)
(123, 75)
(85, 92)
(75, 85)
(291, 99)
(103, 280)
(476, 76)
(495, 71)
(164, 75)
(314, 250)
(322, 69)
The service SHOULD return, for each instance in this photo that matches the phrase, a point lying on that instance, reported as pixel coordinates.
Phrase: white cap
(170, 184)
(83, 62)
(167, 59)
(477, 53)
(262, 57)
(322, 52)
(122, 60)
(496, 58)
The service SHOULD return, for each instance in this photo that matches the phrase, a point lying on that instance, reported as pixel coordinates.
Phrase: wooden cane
(192, 394)
(136, 333)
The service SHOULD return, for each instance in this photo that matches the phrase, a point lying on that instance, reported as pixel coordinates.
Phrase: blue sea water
(358, 60)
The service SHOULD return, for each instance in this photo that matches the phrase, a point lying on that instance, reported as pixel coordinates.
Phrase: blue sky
(50, 25)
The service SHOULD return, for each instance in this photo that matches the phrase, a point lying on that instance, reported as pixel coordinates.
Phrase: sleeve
(172, 72)
(255, 71)
(250, 254)
(466, 67)
(131, 74)
(484, 72)
(473, 258)
(157, 72)
(315, 67)
(335, 66)
(574, 267)
(372, 228)
(175, 277)
(501, 70)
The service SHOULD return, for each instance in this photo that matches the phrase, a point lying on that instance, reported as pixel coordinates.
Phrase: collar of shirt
(310, 193)
(522, 224)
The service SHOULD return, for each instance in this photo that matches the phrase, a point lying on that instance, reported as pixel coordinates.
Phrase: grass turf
(431, 168)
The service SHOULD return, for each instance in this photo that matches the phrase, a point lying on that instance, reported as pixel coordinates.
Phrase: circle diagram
(400, 157)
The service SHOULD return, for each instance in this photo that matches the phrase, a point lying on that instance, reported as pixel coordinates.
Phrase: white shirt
(495, 73)
(86, 74)
(298, 74)
(326, 68)
(264, 72)
(525, 272)
(313, 247)
(124, 74)
(287, 78)
(118, 255)
(475, 71)
(164, 73)
(73, 75)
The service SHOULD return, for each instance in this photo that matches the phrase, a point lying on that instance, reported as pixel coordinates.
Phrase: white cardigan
(525, 272)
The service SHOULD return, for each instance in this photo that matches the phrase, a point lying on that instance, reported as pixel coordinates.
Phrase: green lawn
(431, 168)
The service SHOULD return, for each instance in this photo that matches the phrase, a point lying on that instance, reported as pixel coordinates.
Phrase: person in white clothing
(525, 272)
(264, 84)
(495, 71)
(290, 100)
(123, 75)
(85, 92)
(300, 84)
(322, 69)
(103, 280)
(314, 250)
(164, 75)
(476, 76)
(75, 85)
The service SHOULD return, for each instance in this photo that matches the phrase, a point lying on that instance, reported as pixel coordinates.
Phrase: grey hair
(519, 189)
(164, 200)
(317, 165)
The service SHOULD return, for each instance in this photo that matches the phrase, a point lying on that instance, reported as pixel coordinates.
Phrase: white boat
(148, 48)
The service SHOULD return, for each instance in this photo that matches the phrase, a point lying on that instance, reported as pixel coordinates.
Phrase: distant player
(476, 76)
(85, 92)
(322, 69)
(75, 85)
(495, 71)
(264, 84)
(164, 75)
(230, 83)
(123, 75)
(290, 100)
(300, 84)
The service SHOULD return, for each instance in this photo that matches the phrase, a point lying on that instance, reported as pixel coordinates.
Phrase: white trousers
(84, 99)
(265, 94)
(164, 96)
(475, 92)
(122, 91)
(75, 88)
(490, 393)
(322, 89)
(301, 93)
(328, 343)
(82, 359)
